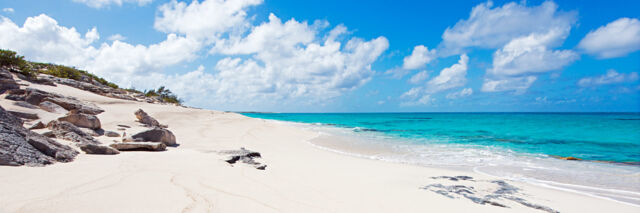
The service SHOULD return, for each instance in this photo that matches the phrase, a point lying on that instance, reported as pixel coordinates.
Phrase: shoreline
(299, 177)
(326, 140)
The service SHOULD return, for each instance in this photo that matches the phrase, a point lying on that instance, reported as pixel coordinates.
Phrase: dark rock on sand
(245, 156)
(68, 131)
(19, 146)
(24, 115)
(74, 104)
(38, 125)
(157, 135)
(139, 146)
(147, 120)
(51, 107)
(98, 149)
(82, 120)
(111, 134)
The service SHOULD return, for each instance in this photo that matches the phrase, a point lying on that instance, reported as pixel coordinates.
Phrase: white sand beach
(193, 177)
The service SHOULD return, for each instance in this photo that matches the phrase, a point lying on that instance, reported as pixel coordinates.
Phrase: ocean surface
(521, 146)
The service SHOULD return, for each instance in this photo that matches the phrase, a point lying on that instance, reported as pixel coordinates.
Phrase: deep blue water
(589, 136)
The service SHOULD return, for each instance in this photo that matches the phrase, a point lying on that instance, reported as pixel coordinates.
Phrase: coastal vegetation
(31, 70)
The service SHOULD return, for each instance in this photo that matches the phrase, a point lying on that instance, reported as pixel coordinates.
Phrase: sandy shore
(193, 177)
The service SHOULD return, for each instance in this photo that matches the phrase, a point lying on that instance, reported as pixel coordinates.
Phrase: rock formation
(157, 135)
(20, 146)
(135, 146)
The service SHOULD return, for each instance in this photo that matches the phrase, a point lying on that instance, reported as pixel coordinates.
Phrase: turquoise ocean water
(522, 146)
(611, 137)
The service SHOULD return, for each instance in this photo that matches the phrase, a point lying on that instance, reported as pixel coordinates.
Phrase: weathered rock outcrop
(147, 120)
(139, 146)
(19, 146)
(51, 107)
(68, 131)
(74, 104)
(6, 81)
(25, 115)
(157, 135)
(98, 149)
(82, 120)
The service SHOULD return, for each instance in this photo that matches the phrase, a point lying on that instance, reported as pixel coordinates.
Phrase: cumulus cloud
(462, 93)
(420, 56)
(8, 10)
(271, 63)
(615, 39)
(489, 27)
(117, 37)
(208, 19)
(530, 54)
(450, 77)
(611, 77)
(499, 84)
(105, 3)
(42, 39)
(419, 77)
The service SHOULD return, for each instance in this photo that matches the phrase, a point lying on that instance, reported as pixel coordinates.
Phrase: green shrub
(164, 94)
(11, 58)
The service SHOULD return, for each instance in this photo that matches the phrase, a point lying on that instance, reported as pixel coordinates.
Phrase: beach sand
(193, 177)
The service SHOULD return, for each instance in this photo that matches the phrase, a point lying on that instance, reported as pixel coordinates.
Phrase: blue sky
(336, 56)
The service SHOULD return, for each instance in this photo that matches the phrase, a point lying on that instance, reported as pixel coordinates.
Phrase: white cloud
(8, 10)
(420, 56)
(104, 3)
(208, 19)
(270, 64)
(499, 84)
(462, 93)
(615, 39)
(489, 27)
(611, 77)
(42, 39)
(423, 100)
(530, 54)
(419, 77)
(117, 37)
(450, 77)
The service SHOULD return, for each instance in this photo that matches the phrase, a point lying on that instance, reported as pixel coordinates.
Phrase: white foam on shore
(618, 183)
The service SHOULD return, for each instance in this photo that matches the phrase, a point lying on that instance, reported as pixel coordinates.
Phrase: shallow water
(520, 146)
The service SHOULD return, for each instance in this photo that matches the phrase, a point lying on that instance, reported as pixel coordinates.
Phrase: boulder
(25, 115)
(20, 146)
(25, 105)
(147, 120)
(82, 120)
(98, 149)
(51, 107)
(157, 135)
(73, 104)
(111, 134)
(7, 82)
(38, 125)
(133, 146)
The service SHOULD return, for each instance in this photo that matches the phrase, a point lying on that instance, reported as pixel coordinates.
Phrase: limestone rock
(51, 107)
(147, 120)
(68, 131)
(25, 105)
(38, 125)
(133, 146)
(19, 146)
(111, 134)
(25, 115)
(73, 104)
(98, 149)
(82, 120)
(157, 135)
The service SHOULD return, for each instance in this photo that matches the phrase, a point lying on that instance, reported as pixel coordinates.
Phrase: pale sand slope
(192, 177)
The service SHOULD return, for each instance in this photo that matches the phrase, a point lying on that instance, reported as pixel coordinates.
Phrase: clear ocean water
(514, 145)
